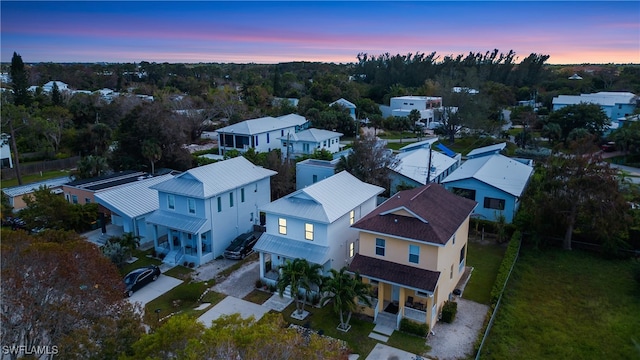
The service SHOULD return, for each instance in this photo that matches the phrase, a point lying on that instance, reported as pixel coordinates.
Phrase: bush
(258, 283)
(412, 327)
(449, 311)
(509, 259)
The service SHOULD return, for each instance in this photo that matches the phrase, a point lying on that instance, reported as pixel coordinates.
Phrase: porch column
(380, 296)
(261, 264)
(402, 299)
(199, 245)
(155, 237)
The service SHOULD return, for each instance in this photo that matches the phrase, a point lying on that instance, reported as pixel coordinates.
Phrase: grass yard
(32, 178)
(485, 258)
(143, 260)
(568, 305)
(184, 299)
(180, 272)
(358, 336)
(258, 296)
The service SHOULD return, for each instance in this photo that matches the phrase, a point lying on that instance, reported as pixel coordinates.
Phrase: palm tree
(127, 241)
(300, 275)
(343, 289)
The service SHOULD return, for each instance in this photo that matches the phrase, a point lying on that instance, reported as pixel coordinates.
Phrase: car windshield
(130, 278)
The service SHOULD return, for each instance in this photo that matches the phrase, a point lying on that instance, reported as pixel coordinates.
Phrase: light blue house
(495, 181)
(203, 209)
(306, 142)
(310, 171)
(615, 104)
(314, 223)
(131, 203)
(415, 159)
(346, 104)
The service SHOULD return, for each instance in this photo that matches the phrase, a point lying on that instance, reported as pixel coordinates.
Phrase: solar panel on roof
(446, 150)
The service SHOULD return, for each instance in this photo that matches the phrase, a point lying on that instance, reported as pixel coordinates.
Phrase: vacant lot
(568, 305)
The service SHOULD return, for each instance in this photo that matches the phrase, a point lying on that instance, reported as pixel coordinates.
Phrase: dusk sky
(328, 31)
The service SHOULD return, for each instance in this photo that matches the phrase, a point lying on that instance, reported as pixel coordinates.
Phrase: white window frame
(308, 231)
(282, 226)
(171, 202)
(191, 206)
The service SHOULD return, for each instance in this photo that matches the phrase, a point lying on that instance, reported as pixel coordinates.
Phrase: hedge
(413, 327)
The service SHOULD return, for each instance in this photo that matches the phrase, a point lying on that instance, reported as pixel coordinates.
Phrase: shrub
(258, 283)
(412, 327)
(509, 259)
(449, 311)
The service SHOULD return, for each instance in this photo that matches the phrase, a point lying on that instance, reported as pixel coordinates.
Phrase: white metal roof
(29, 188)
(326, 200)
(133, 199)
(605, 98)
(495, 148)
(264, 124)
(312, 135)
(213, 179)
(414, 163)
(420, 144)
(499, 171)
(346, 103)
(292, 249)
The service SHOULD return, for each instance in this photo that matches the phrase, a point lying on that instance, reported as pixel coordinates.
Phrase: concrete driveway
(154, 289)
(231, 305)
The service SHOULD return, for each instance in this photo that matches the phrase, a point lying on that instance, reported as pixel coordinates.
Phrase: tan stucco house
(413, 251)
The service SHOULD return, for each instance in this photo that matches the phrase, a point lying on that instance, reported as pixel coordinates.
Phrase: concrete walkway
(231, 305)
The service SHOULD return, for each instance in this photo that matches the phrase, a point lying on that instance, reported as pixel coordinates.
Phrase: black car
(138, 278)
(241, 246)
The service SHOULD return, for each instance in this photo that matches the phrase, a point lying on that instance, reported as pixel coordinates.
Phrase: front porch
(184, 248)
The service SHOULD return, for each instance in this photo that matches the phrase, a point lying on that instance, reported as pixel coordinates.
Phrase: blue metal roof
(292, 249)
(188, 224)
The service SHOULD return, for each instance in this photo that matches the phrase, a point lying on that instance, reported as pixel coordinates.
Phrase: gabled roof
(443, 211)
(499, 171)
(312, 135)
(29, 188)
(326, 200)
(264, 124)
(486, 150)
(345, 103)
(387, 271)
(133, 199)
(213, 179)
(413, 164)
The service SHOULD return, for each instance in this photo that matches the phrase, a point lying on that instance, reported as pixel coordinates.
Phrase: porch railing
(415, 314)
(179, 254)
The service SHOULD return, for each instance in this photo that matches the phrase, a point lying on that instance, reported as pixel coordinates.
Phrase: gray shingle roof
(326, 200)
(213, 179)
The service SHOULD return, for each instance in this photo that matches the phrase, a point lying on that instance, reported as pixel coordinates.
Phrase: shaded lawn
(358, 336)
(258, 296)
(179, 272)
(485, 258)
(184, 299)
(33, 178)
(567, 305)
(143, 260)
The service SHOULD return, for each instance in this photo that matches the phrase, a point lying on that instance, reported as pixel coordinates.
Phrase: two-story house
(347, 105)
(203, 209)
(413, 251)
(314, 223)
(614, 104)
(261, 134)
(306, 142)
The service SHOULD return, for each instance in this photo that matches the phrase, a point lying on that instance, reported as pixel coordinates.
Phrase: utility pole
(429, 167)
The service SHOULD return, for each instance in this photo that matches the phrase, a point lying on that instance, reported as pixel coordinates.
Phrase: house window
(380, 247)
(192, 206)
(422, 294)
(352, 217)
(308, 231)
(282, 226)
(230, 199)
(315, 179)
(242, 195)
(454, 239)
(451, 273)
(324, 143)
(256, 140)
(414, 254)
(171, 202)
(219, 204)
(267, 138)
(462, 252)
(74, 199)
(282, 132)
(491, 203)
(352, 249)
(465, 193)
(87, 201)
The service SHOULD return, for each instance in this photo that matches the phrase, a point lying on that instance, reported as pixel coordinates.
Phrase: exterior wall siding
(483, 190)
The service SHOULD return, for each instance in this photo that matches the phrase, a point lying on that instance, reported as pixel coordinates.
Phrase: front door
(395, 293)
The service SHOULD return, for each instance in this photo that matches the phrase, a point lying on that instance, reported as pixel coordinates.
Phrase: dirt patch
(240, 282)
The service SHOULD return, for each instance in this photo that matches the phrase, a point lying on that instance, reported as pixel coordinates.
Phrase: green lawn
(182, 298)
(28, 179)
(358, 336)
(258, 296)
(485, 258)
(143, 260)
(567, 305)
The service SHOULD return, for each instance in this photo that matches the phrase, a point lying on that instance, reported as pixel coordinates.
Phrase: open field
(568, 305)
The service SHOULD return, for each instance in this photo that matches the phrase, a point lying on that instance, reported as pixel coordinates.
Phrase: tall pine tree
(20, 81)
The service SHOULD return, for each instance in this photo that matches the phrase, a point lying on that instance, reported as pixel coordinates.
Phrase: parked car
(608, 147)
(15, 223)
(241, 246)
(140, 277)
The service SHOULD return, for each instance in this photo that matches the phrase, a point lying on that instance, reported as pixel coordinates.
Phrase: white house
(5, 152)
(314, 223)
(131, 203)
(307, 141)
(310, 171)
(261, 134)
(346, 104)
(494, 181)
(402, 106)
(203, 209)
